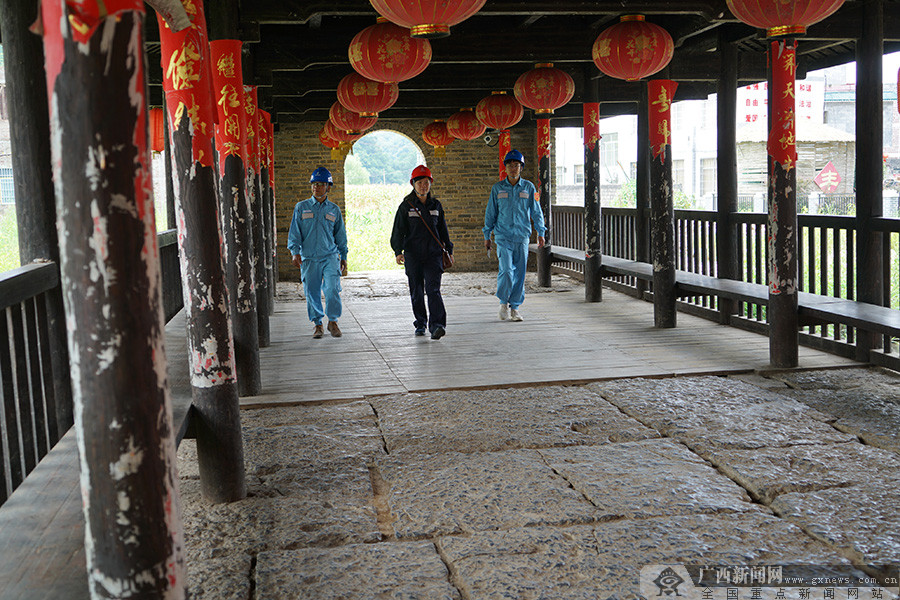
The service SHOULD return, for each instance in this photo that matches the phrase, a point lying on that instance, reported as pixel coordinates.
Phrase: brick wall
(462, 182)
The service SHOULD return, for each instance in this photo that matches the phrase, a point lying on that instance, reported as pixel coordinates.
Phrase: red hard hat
(420, 171)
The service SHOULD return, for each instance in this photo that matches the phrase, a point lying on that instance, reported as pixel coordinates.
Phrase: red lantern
(157, 130)
(781, 18)
(464, 125)
(365, 96)
(330, 142)
(544, 88)
(427, 18)
(436, 134)
(349, 121)
(632, 49)
(499, 111)
(385, 52)
(339, 134)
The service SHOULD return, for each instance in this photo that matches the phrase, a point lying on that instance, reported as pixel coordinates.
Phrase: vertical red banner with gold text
(186, 79)
(543, 138)
(782, 145)
(504, 146)
(270, 151)
(660, 93)
(591, 113)
(252, 137)
(228, 94)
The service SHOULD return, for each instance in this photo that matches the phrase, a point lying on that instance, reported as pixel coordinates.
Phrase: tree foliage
(387, 156)
(354, 171)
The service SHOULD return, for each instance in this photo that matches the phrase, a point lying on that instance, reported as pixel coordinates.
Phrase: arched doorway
(376, 178)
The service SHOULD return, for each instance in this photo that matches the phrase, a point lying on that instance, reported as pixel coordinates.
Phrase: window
(579, 174)
(678, 174)
(609, 150)
(707, 176)
(7, 192)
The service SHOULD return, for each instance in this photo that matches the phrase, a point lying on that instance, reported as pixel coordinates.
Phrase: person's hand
(297, 260)
(487, 245)
(343, 267)
(399, 259)
(540, 242)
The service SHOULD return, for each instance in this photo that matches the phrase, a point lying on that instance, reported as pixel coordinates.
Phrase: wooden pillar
(111, 286)
(543, 153)
(268, 210)
(727, 240)
(661, 93)
(213, 384)
(254, 190)
(29, 129)
(869, 165)
(782, 310)
(235, 214)
(171, 217)
(272, 206)
(593, 246)
(642, 185)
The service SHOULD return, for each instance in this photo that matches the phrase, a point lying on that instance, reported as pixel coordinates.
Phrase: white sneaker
(504, 312)
(515, 316)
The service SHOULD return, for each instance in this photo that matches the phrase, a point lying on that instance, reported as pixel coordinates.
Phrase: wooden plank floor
(563, 339)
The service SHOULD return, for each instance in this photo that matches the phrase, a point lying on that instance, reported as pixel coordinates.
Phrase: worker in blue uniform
(510, 211)
(419, 238)
(317, 241)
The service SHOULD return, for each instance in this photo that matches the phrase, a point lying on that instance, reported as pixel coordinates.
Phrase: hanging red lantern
(781, 18)
(464, 125)
(632, 49)
(157, 130)
(330, 142)
(499, 111)
(436, 134)
(365, 96)
(385, 52)
(544, 88)
(427, 18)
(349, 121)
(338, 134)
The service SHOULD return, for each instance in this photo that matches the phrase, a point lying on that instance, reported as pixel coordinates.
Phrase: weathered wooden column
(189, 102)
(869, 165)
(29, 128)
(111, 286)
(593, 242)
(543, 153)
(661, 93)
(234, 209)
(782, 149)
(642, 185)
(258, 218)
(171, 216)
(273, 206)
(727, 240)
(266, 177)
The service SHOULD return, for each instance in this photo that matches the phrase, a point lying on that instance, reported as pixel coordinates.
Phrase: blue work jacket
(317, 230)
(510, 211)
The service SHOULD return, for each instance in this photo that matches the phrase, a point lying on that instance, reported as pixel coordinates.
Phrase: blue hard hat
(514, 155)
(321, 175)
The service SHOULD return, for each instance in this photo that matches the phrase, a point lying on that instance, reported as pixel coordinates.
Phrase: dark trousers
(425, 279)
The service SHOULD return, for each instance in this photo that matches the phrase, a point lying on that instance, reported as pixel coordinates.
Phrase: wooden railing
(28, 421)
(826, 254)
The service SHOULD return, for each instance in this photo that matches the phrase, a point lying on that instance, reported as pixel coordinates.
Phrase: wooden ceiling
(296, 51)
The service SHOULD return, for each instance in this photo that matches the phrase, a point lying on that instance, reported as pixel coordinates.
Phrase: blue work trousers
(513, 259)
(425, 279)
(322, 275)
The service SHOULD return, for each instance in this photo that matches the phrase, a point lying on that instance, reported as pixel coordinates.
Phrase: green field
(369, 217)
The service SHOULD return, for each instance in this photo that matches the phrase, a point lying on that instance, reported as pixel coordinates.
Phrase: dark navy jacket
(410, 237)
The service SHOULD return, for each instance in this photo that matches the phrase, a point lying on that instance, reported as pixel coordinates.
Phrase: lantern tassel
(335, 153)
(440, 152)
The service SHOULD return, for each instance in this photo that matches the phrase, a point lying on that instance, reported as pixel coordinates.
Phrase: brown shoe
(318, 332)
(334, 329)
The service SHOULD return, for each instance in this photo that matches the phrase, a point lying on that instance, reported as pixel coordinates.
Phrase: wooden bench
(42, 523)
(813, 309)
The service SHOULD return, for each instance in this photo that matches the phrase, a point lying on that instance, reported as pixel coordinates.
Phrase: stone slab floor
(555, 492)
